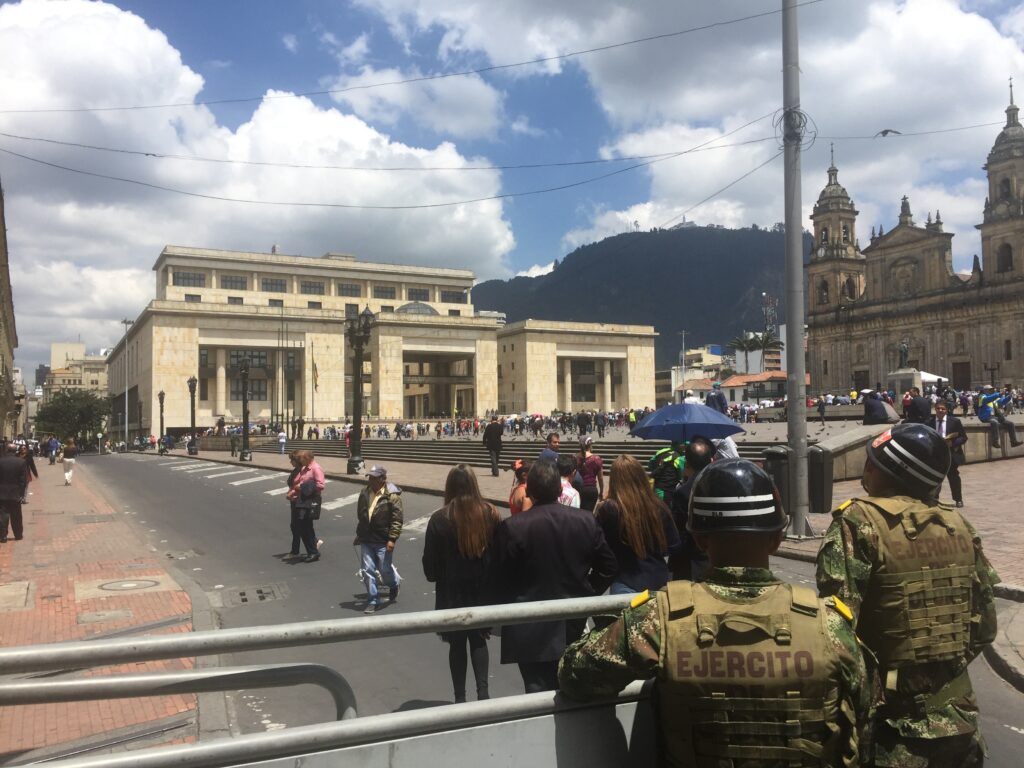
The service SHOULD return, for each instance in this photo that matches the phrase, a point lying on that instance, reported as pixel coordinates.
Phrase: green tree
(746, 345)
(767, 342)
(72, 413)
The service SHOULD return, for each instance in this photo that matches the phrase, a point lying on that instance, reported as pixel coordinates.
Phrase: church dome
(416, 308)
(1009, 143)
(834, 196)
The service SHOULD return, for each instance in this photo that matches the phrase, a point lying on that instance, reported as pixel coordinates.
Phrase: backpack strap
(680, 598)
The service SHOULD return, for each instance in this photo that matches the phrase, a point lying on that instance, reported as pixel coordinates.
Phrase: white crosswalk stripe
(232, 472)
(194, 465)
(277, 491)
(418, 525)
(258, 479)
(338, 503)
(207, 468)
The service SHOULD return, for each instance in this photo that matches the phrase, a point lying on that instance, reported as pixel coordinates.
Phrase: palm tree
(767, 342)
(746, 345)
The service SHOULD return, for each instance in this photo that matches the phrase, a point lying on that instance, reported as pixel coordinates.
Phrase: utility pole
(124, 357)
(796, 387)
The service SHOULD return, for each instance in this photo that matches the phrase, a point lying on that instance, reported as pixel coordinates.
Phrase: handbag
(314, 508)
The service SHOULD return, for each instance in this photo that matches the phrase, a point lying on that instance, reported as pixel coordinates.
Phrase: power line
(420, 79)
(905, 134)
(272, 164)
(502, 196)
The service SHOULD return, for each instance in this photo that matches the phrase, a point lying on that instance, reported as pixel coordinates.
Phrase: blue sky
(86, 245)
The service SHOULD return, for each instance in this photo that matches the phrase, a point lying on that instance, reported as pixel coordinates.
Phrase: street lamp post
(357, 331)
(243, 371)
(160, 396)
(193, 445)
(124, 361)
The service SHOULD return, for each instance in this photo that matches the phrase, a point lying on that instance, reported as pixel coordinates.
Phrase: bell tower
(835, 274)
(1002, 227)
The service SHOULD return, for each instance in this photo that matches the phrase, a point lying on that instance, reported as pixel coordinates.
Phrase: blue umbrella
(682, 422)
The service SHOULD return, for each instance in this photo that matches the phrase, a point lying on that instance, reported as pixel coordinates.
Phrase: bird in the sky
(886, 131)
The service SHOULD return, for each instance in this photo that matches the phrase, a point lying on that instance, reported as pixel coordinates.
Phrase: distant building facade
(429, 354)
(10, 403)
(901, 288)
(71, 367)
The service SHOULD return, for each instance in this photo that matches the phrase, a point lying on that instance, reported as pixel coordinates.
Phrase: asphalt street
(225, 527)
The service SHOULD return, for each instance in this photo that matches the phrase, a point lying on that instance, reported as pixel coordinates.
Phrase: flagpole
(312, 394)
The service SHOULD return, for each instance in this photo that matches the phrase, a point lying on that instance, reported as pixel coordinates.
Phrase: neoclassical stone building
(430, 353)
(861, 304)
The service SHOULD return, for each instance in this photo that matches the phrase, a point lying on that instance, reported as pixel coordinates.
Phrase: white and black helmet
(913, 455)
(734, 495)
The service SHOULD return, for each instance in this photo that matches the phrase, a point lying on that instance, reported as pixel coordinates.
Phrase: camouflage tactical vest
(918, 606)
(748, 682)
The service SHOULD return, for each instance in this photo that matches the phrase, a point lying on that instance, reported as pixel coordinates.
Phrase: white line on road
(232, 472)
(277, 491)
(202, 469)
(193, 465)
(258, 479)
(343, 501)
(419, 524)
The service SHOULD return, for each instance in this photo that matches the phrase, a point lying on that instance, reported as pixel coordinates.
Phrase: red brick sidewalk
(50, 590)
(992, 491)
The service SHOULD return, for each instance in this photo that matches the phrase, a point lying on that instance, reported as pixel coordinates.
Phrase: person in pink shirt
(305, 495)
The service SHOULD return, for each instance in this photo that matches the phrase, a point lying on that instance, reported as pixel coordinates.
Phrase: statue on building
(904, 350)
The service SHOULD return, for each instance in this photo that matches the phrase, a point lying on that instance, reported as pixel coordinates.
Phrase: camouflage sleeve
(604, 662)
(395, 529)
(984, 632)
(847, 557)
(857, 689)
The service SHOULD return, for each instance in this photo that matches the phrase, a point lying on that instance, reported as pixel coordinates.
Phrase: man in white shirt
(691, 398)
(282, 439)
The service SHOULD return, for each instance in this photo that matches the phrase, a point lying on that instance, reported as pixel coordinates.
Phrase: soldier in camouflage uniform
(913, 572)
(751, 672)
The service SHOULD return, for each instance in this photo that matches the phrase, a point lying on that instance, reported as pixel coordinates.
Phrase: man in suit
(919, 409)
(548, 552)
(951, 429)
(13, 484)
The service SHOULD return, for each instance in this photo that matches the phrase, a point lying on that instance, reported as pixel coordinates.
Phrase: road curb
(1002, 655)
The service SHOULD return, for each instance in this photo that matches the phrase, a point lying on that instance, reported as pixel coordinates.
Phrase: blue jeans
(618, 588)
(282, 447)
(376, 558)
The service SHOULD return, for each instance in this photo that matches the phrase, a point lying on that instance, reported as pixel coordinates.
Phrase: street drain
(128, 586)
(255, 595)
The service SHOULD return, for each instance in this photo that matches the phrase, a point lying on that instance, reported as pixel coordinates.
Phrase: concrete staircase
(452, 451)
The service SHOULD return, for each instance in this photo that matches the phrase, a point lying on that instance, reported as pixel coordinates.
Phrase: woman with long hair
(591, 469)
(518, 501)
(638, 527)
(456, 552)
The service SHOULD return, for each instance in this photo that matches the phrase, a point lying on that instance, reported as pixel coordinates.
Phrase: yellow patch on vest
(640, 599)
(845, 504)
(843, 608)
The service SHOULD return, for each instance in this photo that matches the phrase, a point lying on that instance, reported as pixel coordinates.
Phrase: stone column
(606, 401)
(567, 376)
(222, 382)
(280, 389)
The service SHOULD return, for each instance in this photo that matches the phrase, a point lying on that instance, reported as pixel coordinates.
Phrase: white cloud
(523, 126)
(356, 51)
(291, 42)
(537, 270)
(81, 249)
(463, 107)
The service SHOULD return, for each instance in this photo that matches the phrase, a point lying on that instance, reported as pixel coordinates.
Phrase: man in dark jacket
(548, 552)
(13, 484)
(951, 429)
(919, 410)
(379, 515)
(492, 442)
(874, 410)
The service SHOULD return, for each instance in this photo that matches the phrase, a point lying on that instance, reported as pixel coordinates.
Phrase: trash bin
(819, 480)
(776, 464)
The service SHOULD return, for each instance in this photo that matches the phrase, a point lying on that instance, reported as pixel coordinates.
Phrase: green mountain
(704, 280)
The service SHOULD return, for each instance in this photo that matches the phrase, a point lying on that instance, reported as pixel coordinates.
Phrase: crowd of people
(18, 471)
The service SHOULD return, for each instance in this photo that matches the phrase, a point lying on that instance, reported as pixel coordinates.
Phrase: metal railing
(209, 680)
(122, 650)
(303, 740)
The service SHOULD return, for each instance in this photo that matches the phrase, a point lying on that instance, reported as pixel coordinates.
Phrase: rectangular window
(275, 285)
(289, 362)
(204, 389)
(204, 358)
(385, 292)
(824, 367)
(257, 357)
(419, 294)
(190, 279)
(454, 312)
(234, 283)
(193, 298)
(351, 310)
(311, 287)
(257, 389)
(1007, 350)
(314, 305)
(350, 289)
(453, 297)
(499, 370)
(386, 308)
(234, 299)
(291, 390)
(276, 302)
